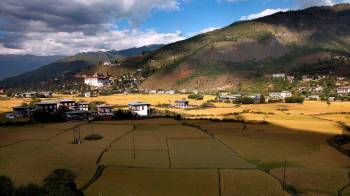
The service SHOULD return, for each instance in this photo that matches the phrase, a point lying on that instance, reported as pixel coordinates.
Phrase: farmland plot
(155, 182)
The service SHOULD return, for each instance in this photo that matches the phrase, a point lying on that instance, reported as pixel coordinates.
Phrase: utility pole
(284, 175)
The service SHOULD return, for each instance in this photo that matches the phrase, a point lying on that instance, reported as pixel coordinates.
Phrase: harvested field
(168, 157)
(315, 180)
(203, 153)
(155, 182)
(249, 182)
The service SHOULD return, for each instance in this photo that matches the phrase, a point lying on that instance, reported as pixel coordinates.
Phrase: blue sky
(197, 15)
(66, 27)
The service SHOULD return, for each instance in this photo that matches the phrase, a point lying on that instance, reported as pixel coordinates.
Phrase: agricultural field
(186, 157)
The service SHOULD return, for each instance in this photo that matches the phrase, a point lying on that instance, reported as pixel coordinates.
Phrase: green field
(168, 157)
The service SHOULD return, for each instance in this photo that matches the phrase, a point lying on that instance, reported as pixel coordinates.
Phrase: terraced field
(168, 157)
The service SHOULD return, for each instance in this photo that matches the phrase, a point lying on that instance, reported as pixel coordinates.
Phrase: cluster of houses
(82, 110)
(33, 94)
(231, 98)
(77, 110)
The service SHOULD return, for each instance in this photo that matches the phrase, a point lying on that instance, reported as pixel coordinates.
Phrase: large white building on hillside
(97, 81)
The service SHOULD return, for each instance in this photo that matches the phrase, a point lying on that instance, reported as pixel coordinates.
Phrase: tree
(262, 99)
(28, 190)
(6, 186)
(61, 182)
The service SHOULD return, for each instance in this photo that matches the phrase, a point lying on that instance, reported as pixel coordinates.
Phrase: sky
(67, 27)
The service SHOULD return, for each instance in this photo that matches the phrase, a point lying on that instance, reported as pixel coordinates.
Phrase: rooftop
(138, 103)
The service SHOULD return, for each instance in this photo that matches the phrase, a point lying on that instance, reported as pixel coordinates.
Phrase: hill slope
(244, 52)
(11, 65)
(70, 65)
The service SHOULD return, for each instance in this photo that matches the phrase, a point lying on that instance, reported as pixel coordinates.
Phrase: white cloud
(71, 26)
(206, 30)
(266, 12)
(67, 43)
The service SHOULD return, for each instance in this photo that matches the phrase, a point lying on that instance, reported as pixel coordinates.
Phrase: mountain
(11, 65)
(66, 67)
(241, 56)
(311, 41)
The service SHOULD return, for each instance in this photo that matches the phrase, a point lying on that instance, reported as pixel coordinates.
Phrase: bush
(123, 115)
(45, 117)
(93, 137)
(295, 99)
(207, 105)
(28, 190)
(61, 182)
(245, 100)
(196, 97)
(6, 186)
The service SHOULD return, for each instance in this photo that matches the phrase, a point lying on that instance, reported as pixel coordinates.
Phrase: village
(308, 88)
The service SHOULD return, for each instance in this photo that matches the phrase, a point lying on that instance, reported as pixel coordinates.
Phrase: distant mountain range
(11, 65)
(69, 65)
(311, 41)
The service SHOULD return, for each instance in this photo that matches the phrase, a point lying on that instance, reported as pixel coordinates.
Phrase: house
(140, 108)
(280, 95)
(22, 111)
(279, 75)
(82, 106)
(182, 104)
(97, 81)
(306, 78)
(256, 97)
(67, 103)
(46, 94)
(170, 92)
(77, 115)
(343, 90)
(290, 78)
(87, 94)
(104, 110)
(29, 95)
(314, 97)
(47, 106)
(226, 98)
(107, 63)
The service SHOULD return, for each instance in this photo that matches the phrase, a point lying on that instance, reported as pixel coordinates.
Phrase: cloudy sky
(66, 27)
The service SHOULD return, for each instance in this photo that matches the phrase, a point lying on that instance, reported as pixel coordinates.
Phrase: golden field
(313, 116)
(169, 157)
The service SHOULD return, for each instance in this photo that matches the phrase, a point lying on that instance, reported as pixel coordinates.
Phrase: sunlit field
(165, 156)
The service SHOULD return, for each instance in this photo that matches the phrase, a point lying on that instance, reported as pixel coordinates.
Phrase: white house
(182, 104)
(280, 95)
(107, 63)
(279, 75)
(97, 81)
(140, 108)
(343, 90)
(104, 110)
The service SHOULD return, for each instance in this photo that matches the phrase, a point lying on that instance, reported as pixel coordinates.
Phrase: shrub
(196, 97)
(245, 100)
(28, 190)
(6, 186)
(93, 137)
(207, 105)
(123, 115)
(295, 99)
(44, 117)
(61, 182)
